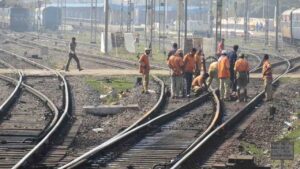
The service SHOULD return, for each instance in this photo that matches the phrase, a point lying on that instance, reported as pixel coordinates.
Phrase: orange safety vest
(241, 65)
(223, 67)
(144, 64)
(175, 62)
(189, 63)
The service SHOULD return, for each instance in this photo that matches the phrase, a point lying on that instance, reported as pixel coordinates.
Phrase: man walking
(224, 75)
(72, 55)
(232, 59)
(267, 77)
(241, 69)
(189, 68)
(145, 69)
(176, 64)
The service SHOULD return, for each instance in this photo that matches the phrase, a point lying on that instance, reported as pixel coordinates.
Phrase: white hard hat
(224, 52)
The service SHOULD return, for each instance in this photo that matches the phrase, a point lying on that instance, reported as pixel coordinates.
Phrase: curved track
(53, 127)
(155, 138)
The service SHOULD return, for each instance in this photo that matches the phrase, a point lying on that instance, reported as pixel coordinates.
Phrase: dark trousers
(188, 77)
(73, 56)
(233, 80)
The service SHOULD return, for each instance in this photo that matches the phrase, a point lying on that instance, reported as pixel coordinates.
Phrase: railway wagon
(286, 27)
(20, 19)
(52, 18)
(296, 25)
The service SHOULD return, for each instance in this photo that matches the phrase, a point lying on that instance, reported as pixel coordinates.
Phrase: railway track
(24, 140)
(205, 154)
(88, 56)
(155, 139)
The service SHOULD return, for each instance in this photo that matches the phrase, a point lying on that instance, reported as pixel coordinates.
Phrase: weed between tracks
(107, 85)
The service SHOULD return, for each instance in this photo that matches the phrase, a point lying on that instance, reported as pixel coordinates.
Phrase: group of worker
(188, 73)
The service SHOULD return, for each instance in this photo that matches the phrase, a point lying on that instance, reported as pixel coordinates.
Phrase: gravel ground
(164, 142)
(52, 89)
(28, 108)
(19, 64)
(199, 118)
(262, 131)
(6, 90)
(111, 125)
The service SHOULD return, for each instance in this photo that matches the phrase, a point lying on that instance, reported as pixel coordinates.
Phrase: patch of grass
(106, 85)
(294, 136)
(253, 149)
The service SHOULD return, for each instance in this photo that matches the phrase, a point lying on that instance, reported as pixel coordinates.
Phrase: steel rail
(139, 129)
(154, 110)
(230, 122)
(59, 122)
(42, 97)
(10, 99)
(90, 57)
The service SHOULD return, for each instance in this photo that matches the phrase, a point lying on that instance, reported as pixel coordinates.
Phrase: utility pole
(235, 17)
(152, 15)
(267, 24)
(146, 22)
(93, 21)
(122, 13)
(277, 23)
(227, 17)
(162, 23)
(218, 34)
(246, 20)
(179, 18)
(185, 25)
(211, 18)
(106, 11)
(129, 15)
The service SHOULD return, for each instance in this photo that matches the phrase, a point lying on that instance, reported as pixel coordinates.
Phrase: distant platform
(112, 72)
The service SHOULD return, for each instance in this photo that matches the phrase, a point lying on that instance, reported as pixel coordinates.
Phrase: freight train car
(290, 25)
(296, 25)
(51, 18)
(21, 19)
(286, 25)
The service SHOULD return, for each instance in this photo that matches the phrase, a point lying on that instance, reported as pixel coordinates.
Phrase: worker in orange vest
(199, 84)
(145, 69)
(241, 69)
(176, 64)
(267, 77)
(224, 75)
(189, 69)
